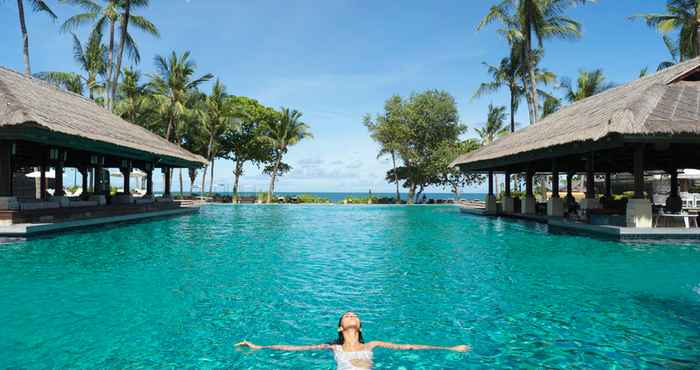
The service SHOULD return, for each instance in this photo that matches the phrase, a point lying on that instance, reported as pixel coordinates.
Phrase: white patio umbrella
(51, 174)
(136, 173)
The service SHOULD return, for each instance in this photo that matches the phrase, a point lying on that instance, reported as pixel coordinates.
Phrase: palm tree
(91, 58)
(541, 19)
(172, 84)
(281, 134)
(495, 125)
(589, 83)
(37, 6)
(133, 97)
(108, 15)
(551, 104)
(506, 74)
(172, 87)
(682, 16)
(140, 23)
(218, 114)
(672, 50)
(388, 130)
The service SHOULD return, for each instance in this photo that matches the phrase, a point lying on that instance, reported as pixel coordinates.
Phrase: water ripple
(176, 293)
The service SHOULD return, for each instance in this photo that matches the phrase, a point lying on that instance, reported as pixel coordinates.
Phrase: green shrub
(360, 200)
(309, 198)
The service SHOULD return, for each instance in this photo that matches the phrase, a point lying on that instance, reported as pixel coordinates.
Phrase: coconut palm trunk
(211, 177)
(193, 178)
(120, 54)
(530, 68)
(236, 177)
(27, 72)
(110, 58)
(526, 85)
(271, 189)
(25, 38)
(204, 180)
(513, 106)
(411, 193)
(396, 177)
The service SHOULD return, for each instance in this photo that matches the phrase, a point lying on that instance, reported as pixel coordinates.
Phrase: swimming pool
(178, 292)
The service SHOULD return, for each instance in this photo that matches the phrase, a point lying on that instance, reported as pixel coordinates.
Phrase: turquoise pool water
(176, 293)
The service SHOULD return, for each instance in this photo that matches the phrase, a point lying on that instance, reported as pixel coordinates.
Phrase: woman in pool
(350, 350)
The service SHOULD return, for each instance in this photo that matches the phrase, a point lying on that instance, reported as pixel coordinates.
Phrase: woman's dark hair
(341, 337)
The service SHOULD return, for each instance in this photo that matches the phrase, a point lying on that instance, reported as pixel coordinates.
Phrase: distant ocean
(338, 196)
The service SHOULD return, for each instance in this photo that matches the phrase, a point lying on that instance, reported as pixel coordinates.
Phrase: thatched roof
(663, 104)
(28, 102)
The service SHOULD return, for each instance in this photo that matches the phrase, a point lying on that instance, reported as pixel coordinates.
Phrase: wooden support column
(166, 174)
(674, 203)
(125, 169)
(507, 184)
(555, 179)
(84, 175)
(42, 180)
(149, 179)
(590, 178)
(608, 185)
(528, 183)
(638, 172)
(674, 182)
(6, 168)
(569, 185)
(490, 182)
(99, 176)
(60, 161)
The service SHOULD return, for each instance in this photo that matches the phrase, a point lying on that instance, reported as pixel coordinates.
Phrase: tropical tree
(171, 85)
(133, 100)
(495, 125)
(550, 105)
(430, 119)
(288, 130)
(389, 130)
(219, 114)
(242, 142)
(141, 23)
(38, 6)
(506, 74)
(450, 176)
(530, 20)
(172, 88)
(91, 58)
(682, 16)
(108, 15)
(672, 50)
(191, 134)
(589, 83)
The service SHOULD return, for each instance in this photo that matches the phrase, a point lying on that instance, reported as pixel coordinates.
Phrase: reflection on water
(178, 292)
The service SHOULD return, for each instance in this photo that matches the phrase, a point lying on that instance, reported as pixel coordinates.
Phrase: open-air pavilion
(648, 125)
(42, 128)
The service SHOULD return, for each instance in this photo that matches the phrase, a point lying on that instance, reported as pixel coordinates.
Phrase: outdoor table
(687, 218)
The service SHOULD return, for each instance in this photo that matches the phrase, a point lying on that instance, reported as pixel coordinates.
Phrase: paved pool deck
(558, 224)
(34, 229)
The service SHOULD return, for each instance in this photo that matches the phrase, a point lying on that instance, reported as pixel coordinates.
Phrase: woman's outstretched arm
(283, 347)
(460, 348)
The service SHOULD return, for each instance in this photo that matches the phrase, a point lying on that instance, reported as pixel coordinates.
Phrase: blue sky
(336, 60)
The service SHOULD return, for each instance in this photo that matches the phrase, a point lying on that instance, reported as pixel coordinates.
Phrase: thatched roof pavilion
(652, 123)
(35, 110)
(43, 126)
